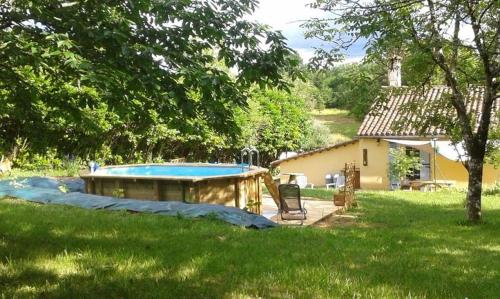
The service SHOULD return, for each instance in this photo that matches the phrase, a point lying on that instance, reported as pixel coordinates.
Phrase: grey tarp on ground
(46, 190)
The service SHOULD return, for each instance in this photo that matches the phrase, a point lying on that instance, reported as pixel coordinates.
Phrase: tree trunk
(475, 168)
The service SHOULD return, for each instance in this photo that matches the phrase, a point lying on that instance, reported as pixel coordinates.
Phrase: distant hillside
(342, 126)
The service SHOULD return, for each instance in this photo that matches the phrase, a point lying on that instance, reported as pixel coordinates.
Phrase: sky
(287, 15)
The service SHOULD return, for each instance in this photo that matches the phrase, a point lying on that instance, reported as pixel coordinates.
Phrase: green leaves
(351, 86)
(142, 75)
(453, 43)
(402, 164)
(276, 121)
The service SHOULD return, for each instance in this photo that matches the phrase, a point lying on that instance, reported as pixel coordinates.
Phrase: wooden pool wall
(242, 190)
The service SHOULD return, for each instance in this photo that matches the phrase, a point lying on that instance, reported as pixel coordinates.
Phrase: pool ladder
(249, 152)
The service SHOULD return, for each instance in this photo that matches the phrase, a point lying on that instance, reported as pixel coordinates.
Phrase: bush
(277, 121)
(492, 190)
(402, 164)
(51, 161)
(317, 136)
(351, 86)
(39, 162)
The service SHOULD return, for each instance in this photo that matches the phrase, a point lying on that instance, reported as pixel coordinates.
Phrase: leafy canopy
(123, 76)
(277, 121)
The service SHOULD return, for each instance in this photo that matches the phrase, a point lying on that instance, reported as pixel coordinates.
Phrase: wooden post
(90, 184)
(87, 186)
(156, 190)
(271, 187)
(197, 193)
(99, 187)
(237, 193)
(242, 194)
(258, 197)
(183, 191)
(92, 187)
(119, 185)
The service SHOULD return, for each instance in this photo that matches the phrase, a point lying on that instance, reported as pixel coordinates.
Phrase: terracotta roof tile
(388, 118)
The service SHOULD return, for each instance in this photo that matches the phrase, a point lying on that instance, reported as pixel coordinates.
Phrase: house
(370, 150)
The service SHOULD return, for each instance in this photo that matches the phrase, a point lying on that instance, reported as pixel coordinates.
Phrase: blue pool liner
(47, 190)
(173, 170)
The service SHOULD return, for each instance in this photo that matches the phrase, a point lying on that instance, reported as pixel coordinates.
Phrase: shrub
(402, 164)
(492, 190)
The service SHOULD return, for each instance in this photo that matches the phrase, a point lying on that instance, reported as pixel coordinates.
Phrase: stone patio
(316, 210)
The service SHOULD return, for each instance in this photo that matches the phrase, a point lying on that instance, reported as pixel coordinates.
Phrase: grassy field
(312, 194)
(342, 126)
(318, 193)
(402, 245)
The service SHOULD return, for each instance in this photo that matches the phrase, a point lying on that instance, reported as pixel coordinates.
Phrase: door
(394, 181)
(425, 171)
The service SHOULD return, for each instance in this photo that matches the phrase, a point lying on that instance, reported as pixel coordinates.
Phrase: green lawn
(318, 193)
(342, 126)
(312, 194)
(404, 244)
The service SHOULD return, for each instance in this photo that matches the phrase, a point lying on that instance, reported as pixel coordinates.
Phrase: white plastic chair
(329, 181)
(302, 182)
(338, 181)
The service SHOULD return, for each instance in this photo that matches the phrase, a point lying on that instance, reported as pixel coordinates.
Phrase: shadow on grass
(416, 248)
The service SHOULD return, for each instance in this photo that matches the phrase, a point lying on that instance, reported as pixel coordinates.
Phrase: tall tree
(454, 34)
(85, 74)
(277, 121)
(351, 86)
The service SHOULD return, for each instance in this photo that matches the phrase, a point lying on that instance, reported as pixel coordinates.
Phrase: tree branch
(490, 90)
(456, 40)
(458, 98)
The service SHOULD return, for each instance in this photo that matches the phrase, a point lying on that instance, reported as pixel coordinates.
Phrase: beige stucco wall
(317, 165)
(374, 176)
(455, 171)
(491, 175)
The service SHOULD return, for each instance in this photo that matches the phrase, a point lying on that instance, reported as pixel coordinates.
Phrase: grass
(404, 244)
(342, 126)
(311, 194)
(331, 111)
(317, 193)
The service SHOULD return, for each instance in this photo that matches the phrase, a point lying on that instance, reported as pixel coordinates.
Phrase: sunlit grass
(331, 111)
(318, 193)
(312, 194)
(406, 244)
(342, 126)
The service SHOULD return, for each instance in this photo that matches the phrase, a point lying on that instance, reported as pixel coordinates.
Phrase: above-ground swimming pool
(226, 184)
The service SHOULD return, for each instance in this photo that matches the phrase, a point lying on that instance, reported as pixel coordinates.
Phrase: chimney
(394, 72)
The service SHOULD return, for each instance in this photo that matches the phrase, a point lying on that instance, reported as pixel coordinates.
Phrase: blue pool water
(169, 170)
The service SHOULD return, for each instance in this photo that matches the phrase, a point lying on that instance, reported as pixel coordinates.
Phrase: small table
(429, 185)
(330, 185)
(292, 177)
